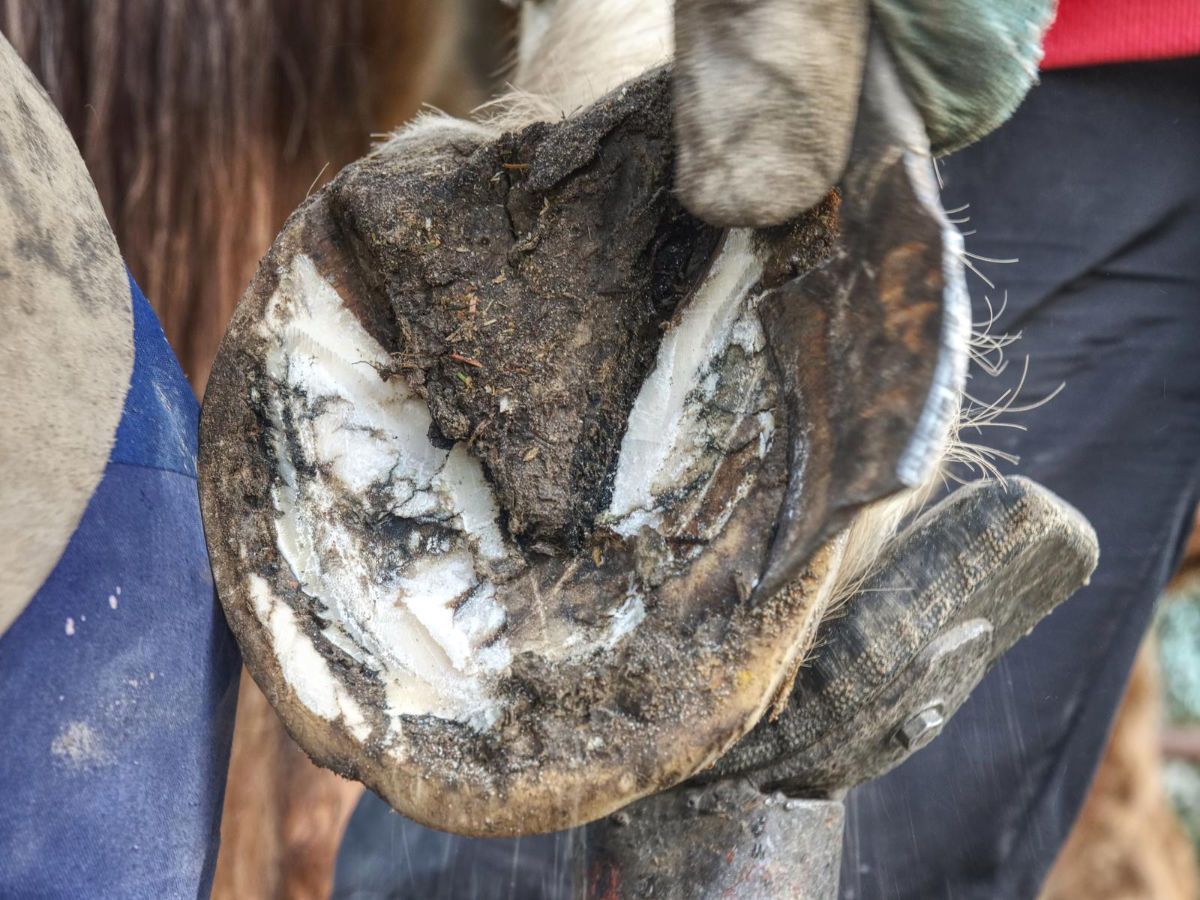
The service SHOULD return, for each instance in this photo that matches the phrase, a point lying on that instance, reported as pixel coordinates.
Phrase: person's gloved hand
(766, 91)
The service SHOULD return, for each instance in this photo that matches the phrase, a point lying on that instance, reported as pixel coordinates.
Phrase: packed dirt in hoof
(531, 279)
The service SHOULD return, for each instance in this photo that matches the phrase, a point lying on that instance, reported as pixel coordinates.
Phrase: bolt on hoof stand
(527, 492)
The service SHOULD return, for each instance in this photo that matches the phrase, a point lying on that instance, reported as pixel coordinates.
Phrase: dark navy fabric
(385, 856)
(158, 424)
(118, 682)
(1095, 186)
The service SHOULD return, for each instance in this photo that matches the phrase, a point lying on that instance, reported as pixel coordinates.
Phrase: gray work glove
(766, 91)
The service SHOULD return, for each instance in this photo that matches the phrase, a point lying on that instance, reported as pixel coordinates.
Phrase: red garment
(1088, 32)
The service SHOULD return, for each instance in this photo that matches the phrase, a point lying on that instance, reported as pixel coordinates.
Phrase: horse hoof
(521, 484)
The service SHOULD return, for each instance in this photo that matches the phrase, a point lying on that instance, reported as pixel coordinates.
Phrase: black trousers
(1095, 186)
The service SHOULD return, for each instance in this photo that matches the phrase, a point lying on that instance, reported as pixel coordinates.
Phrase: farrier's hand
(766, 91)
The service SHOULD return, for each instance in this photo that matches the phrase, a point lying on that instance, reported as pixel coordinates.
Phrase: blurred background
(204, 123)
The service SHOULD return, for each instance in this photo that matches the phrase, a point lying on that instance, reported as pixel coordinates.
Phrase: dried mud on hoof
(495, 457)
